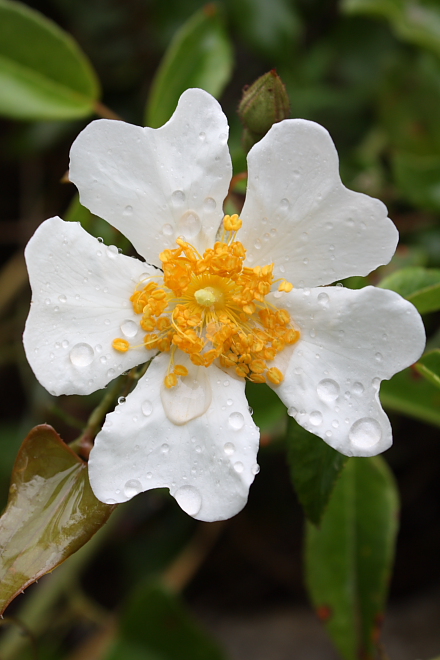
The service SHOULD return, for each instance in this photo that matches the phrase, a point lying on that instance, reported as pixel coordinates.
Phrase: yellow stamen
(121, 345)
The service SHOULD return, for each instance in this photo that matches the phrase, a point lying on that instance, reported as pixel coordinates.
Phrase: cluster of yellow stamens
(212, 307)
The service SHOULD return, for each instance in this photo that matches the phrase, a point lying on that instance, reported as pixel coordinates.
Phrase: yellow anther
(275, 376)
(121, 345)
(285, 286)
(232, 222)
(171, 381)
(258, 366)
(180, 370)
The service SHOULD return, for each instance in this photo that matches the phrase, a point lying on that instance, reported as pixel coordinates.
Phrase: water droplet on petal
(315, 418)
(238, 467)
(378, 357)
(284, 204)
(190, 398)
(229, 448)
(236, 420)
(323, 300)
(121, 399)
(129, 328)
(328, 390)
(132, 487)
(167, 230)
(209, 204)
(128, 211)
(255, 468)
(189, 499)
(178, 197)
(112, 251)
(147, 408)
(62, 298)
(229, 402)
(292, 411)
(365, 433)
(189, 225)
(81, 355)
(257, 244)
(100, 239)
(98, 253)
(111, 373)
(358, 388)
(376, 383)
(165, 449)
(65, 343)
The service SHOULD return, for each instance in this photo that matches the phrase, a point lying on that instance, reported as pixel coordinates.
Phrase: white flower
(97, 313)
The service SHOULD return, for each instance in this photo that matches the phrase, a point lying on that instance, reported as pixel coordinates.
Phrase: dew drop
(358, 388)
(255, 468)
(98, 253)
(209, 204)
(378, 357)
(65, 343)
(100, 239)
(121, 400)
(315, 418)
(292, 411)
(81, 355)
(127, 211)
(189, 499)
(165, 449)
(328, 434)
(376, 383)
(284, 204)
(365, 433)
(198, 449)
(147, 408)
(47, 301)
(178, 197)
(103, 359)
(111, 373)
(335, 423)
(129, 328)
(62, 298)
(229, 448)
(132, 487)
(328, 390)
(236, 420)
(149, 475)
(238, 467)
(323, 300)
(112, 251)
(229, 402)
(202, 136)
(257, 244)
(189, 225)
(167, 230)
(226, 383)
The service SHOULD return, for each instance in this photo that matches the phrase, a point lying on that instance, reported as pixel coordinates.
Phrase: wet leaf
(156, 625)
(43, 72)
(314, 469)
(51, 512)
(349, 558)
(200, 55)
(410, 394)
(421, 286)
(429, 366)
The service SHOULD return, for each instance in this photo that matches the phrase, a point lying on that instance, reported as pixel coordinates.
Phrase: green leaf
(416, 21)
(349, 558)
(314, 469)
(411, 395)
(418, 178)
(200, 55)
(156, 626)
(43, 72)
(421, 286)
(51, 512)
(429, 366)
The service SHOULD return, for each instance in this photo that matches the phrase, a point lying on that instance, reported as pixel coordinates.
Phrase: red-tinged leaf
(51, 512)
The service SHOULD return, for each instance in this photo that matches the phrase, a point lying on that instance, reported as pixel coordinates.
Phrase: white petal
(157, 184)
(208, 463)
(299, 215)
(80, 302)
(350, 341)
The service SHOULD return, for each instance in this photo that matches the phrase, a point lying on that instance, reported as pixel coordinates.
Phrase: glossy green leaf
(421, 286)
(410, 394)
(51, 512)
(43, 72)
(200, 55)
(349, 558)
(314, 469)
(416, 21)
(429, 366)
(156, 625)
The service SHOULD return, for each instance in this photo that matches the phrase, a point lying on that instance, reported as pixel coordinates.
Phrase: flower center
(212, 307)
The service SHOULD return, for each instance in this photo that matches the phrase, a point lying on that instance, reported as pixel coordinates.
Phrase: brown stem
(105, 112)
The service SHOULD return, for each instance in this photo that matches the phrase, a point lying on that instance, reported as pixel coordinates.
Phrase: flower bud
(263, 103)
